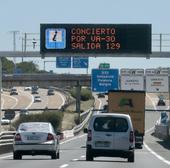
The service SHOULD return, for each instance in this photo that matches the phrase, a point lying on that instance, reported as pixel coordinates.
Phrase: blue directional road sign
(63, 62)
(105, 79)
(17, 71)
(55, 38)
(80, 62)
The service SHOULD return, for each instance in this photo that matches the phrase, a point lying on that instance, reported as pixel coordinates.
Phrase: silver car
(36, 138)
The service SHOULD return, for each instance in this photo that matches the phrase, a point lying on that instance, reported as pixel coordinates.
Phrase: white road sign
(132, 83)
(136, 72)
(157, 83)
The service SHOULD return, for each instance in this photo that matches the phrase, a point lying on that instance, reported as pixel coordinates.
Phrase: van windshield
(110, 124)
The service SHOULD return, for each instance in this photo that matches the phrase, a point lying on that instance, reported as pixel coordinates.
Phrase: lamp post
(0, 93)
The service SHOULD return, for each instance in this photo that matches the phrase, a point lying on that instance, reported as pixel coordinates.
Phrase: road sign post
(0, 93)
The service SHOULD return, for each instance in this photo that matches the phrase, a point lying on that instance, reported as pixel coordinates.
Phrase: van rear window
(110, 124)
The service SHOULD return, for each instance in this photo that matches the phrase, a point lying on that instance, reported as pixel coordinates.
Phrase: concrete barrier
(161, 131)
(5, 148)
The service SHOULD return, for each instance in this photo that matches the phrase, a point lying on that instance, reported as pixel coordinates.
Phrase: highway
(73, 151)
(25, 99)
(73, 156)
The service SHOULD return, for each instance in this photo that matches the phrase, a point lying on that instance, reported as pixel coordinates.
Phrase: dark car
(101, 95)
(24, 112)
(13, 91)
(161, 102)
(50, 92)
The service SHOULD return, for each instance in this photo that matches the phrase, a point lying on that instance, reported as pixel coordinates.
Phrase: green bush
(85, 94)
(55, 118)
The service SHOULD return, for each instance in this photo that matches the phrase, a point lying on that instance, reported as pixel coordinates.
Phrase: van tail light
(18, 137)
(89, 135)
(50, 137)
(131, 137)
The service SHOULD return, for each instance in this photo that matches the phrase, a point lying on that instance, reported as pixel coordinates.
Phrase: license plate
(33, 138)
(102, 144)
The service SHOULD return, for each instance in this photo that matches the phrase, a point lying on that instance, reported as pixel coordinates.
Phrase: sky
(25, 16)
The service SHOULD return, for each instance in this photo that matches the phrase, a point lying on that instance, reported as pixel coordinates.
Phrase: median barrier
(6, 141)
(161, 131)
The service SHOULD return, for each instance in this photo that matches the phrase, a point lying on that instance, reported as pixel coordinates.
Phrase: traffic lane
(8, 101)
(68, 151)
(22, 100)
(25, 99)
(53, 101)
(77, 150)
(44, 100)
(56, 101)
(73, 155)
(100, 102)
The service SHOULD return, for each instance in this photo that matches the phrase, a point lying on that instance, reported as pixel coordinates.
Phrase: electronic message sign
(95, 38)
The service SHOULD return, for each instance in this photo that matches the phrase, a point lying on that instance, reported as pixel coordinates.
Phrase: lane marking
(71, 139)
(4, 157)
(149, 130)
(28, 95)
(63, 99)
(156, 155)
(16, 100)
(64, 165)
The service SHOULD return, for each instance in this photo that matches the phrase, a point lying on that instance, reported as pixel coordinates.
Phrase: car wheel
(17, 156)
(58, 155)
(54, 155)
(131, 157)
(89, 156)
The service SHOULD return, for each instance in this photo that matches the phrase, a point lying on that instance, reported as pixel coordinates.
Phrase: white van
(110, 135)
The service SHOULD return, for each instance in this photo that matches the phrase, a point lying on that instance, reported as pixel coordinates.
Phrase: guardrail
(79, 127)
(6, 141)
(6, 137)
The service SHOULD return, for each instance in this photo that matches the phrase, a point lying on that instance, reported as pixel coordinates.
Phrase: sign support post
(0, 94)
(78, 91)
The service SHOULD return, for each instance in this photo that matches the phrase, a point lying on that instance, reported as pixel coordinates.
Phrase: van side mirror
(85, 130)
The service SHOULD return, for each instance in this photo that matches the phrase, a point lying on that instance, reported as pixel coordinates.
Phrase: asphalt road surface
(73, 154)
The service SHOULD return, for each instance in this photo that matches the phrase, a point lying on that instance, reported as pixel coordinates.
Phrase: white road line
(149, 130)
(16, 100)
(74, 160)
(32, 98)
(4, 157)
(63, 99)
(2, 103)
(71, 139)
(64, 165)
(155, 154)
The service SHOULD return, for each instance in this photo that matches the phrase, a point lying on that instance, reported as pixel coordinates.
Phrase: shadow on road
(165, 143)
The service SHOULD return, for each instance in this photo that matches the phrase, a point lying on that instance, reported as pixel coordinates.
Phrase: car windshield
(110, 124)
(34, 127)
